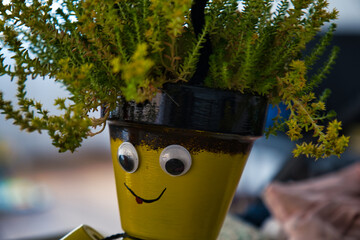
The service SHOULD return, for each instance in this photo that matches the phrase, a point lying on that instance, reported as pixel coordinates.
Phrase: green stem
(191, 62)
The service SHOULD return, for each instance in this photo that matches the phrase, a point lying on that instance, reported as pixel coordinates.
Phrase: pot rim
(197, 108)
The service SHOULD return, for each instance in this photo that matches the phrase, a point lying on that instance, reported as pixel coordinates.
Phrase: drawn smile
(140, 200)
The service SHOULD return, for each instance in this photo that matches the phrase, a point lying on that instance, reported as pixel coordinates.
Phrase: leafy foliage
(305, 114)
(100, 50)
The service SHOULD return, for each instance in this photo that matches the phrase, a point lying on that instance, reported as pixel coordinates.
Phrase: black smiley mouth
(140, 200)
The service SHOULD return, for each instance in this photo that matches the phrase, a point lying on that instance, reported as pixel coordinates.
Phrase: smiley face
(174, 160)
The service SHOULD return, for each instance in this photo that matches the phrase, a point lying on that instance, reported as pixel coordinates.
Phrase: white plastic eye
(128, 157)
(175, 160)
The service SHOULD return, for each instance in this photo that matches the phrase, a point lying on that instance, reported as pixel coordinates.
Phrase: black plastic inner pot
(198, 108)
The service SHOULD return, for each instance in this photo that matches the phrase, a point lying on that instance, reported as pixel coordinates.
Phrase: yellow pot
(175, 179)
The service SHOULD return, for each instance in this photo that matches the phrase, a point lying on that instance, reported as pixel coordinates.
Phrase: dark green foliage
(100, 50)
(258, 50)
(258, 44)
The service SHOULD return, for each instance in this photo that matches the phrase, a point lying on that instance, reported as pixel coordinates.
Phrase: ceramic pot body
(178, 159)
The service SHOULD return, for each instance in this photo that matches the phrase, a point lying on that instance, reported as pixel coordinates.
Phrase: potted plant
(184, 86)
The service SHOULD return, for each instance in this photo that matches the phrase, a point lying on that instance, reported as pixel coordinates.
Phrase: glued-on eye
(128, 157)
(175, 160)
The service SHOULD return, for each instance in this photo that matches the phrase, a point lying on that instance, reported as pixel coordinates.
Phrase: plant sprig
(306, 114)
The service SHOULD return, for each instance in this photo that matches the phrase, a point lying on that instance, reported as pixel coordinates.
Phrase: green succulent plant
(100, 50)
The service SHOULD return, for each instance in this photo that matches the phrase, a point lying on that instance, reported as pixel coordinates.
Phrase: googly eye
(175, 160)
(128, 157)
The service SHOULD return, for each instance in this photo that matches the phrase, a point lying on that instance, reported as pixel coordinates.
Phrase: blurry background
(44, 193)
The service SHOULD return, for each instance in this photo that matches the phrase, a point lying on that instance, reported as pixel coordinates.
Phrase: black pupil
(126, 162)
(174, 166)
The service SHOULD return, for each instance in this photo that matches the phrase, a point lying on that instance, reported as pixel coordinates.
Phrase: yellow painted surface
(83, 232)
(193, 205)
